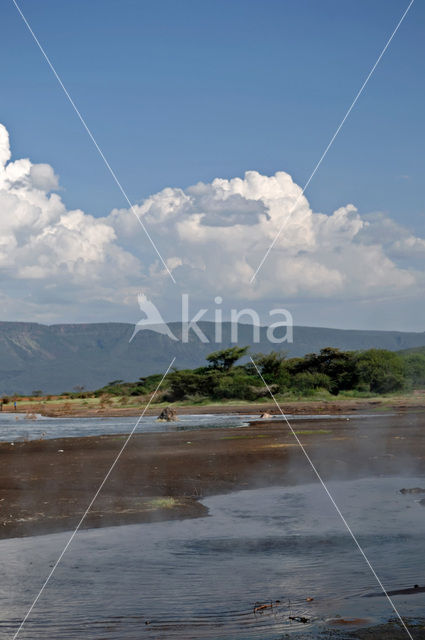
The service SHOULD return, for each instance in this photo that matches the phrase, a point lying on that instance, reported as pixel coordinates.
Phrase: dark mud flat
(45, 486)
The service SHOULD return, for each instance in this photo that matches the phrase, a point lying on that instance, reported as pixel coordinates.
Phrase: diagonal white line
(83, 122)
(331, 498)
(341, 124)
(83, 517)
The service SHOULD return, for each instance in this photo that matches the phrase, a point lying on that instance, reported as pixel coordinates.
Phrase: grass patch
(244, 437)
(162, 503)
(310, 432)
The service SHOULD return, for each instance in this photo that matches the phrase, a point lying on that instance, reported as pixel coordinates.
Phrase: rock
(168, 414)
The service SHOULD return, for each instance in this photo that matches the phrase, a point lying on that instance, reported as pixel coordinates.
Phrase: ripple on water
(202, 578)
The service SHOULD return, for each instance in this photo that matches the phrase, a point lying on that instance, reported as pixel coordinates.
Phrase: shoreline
(77, 408)
(46, 485)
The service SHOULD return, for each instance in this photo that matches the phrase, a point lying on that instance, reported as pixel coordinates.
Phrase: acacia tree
(225, 359)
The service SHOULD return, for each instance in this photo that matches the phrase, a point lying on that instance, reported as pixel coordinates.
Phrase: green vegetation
(142, 387)
(325, 374)
(162, 503)
(225, 359)
(312, 432)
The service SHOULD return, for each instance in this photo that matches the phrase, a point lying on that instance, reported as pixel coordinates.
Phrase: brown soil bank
(46, 486)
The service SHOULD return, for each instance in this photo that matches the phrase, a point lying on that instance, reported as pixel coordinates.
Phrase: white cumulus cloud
(216, 234)
(58, 264)
(54, 261)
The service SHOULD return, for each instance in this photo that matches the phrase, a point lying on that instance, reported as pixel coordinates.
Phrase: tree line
(375, 371)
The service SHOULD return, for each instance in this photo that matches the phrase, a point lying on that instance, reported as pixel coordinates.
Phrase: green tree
(189, 383)
(225, 359)
(338, 366)
(415, 369)
(270, 364)
(274, 368)
(383, 371)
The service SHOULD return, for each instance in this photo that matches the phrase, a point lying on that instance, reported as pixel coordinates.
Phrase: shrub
(338, 366)
(306, 382)
(382, 370)
(415, 369)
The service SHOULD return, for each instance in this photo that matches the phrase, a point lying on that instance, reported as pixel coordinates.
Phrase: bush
(338, 366)
(383, 371)
(236, 386)
(307, 382)
(187, 383)
(415, 369)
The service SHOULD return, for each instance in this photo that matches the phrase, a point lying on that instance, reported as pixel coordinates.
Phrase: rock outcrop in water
(169, 414)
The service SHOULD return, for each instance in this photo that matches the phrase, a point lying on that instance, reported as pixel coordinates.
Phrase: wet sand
(45, 486)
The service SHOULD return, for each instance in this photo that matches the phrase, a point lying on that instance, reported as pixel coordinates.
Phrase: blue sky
(181, 92)
(177, 92)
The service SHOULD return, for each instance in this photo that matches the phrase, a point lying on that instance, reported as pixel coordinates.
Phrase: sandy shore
(45, 486)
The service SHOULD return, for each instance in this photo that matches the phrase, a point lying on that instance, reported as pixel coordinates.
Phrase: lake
(197, 579)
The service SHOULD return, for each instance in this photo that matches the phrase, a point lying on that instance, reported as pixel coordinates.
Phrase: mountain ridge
(56, 358)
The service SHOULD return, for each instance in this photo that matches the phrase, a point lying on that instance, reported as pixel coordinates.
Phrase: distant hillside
(56, 358)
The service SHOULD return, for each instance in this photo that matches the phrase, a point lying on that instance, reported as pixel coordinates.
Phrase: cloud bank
(66, 265)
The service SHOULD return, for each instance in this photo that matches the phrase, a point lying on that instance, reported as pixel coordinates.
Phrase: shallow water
(16, 426)
(201, 578)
